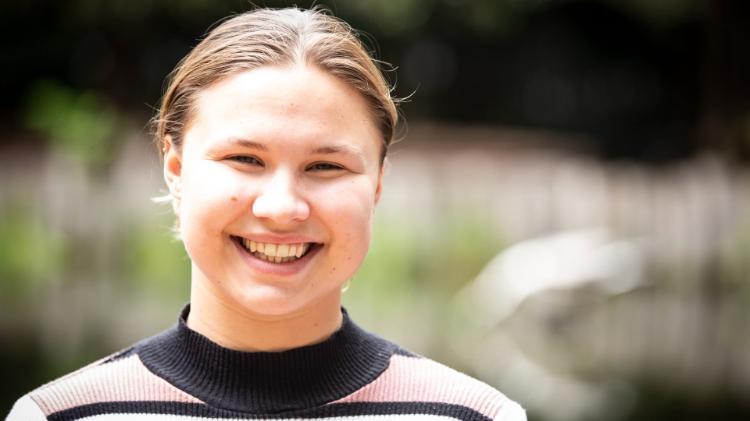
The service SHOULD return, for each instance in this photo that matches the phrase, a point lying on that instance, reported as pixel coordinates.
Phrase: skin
(276, 154)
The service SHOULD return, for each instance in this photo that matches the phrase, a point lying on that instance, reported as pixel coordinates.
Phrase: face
(277, 178)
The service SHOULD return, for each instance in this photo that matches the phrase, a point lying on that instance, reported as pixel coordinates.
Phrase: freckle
(233, 198)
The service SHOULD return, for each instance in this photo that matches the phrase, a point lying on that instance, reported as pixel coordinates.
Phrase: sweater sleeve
(25, 409)
(512, 412)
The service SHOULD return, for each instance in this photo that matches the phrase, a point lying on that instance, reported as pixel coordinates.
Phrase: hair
(274, 37)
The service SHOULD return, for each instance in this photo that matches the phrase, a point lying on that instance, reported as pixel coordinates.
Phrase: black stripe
(332, 410)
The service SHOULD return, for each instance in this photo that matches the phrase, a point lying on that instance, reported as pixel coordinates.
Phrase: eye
(324, 166)
(246, 159)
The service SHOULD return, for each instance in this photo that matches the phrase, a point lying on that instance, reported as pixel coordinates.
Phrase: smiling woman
(306, 174)
(274, 131)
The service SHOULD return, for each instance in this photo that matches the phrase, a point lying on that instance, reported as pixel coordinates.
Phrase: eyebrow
(322, 150)
(245, 143)
(340, 148)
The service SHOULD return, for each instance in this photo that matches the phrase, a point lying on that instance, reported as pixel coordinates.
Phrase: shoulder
(61, 392)
(25, 409)
(118, 377)
(419, 380)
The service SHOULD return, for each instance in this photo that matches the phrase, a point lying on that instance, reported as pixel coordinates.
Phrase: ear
(172, 167)
(379, 188)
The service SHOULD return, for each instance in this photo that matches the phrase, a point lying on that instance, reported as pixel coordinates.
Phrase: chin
(272, 302)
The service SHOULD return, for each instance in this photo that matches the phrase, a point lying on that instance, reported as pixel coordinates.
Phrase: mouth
(274, 252)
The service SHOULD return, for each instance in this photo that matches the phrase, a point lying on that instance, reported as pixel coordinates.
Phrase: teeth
(276, 253)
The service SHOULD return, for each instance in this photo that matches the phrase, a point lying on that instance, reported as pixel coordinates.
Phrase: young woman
(274, 130)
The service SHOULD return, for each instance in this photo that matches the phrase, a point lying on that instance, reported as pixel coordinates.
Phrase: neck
(230, 325)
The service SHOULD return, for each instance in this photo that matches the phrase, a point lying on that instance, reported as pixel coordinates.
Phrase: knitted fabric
(181, 375)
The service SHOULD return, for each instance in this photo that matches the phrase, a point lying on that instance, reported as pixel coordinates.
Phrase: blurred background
(567, 218)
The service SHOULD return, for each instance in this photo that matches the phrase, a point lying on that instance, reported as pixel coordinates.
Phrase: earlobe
(172, 167)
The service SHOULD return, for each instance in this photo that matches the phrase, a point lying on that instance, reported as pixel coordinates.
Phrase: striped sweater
(181, 375)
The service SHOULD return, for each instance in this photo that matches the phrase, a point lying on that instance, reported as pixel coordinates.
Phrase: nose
(279, 200)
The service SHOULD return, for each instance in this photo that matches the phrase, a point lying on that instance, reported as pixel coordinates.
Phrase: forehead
(283, 104)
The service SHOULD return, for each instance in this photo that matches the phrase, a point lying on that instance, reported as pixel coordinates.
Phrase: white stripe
(25, 409)
(511, 412)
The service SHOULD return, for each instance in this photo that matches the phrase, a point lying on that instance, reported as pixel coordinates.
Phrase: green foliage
(389, 266)
(155, 261)
(396, 17)
(81, 125)
(405, 259)
(465, 245)
(736, 266)
(31, 252)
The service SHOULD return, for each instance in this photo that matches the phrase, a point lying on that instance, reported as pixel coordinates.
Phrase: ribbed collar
(266, 382)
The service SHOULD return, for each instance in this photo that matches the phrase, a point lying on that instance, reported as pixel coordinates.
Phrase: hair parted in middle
(275, 37)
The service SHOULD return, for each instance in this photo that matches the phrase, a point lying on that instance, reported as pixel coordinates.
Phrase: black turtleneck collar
(266, 382)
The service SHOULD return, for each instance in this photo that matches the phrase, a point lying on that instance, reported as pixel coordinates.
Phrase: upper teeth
(276, 250)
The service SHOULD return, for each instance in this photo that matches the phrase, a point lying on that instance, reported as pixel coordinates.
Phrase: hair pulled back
(274, 37)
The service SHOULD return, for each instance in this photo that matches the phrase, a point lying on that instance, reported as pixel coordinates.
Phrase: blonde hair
(265, 37)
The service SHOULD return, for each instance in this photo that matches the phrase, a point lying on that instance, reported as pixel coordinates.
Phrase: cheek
(211, 197)
(348, 209)
(352, 199)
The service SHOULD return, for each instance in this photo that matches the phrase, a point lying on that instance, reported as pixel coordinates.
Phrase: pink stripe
(122, 380)
(409, 379)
